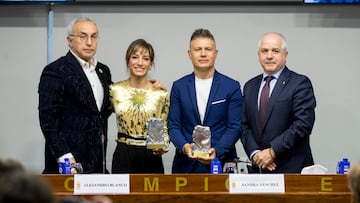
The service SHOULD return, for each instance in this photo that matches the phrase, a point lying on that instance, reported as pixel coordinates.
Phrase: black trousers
(135, 159)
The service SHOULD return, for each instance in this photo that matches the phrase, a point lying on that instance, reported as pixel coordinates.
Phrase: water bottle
(339, 168)
(346, 165)
(343, 166)
(65, 167)
(215, 166)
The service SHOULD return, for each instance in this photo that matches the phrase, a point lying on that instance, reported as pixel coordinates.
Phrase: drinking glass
(230, 167)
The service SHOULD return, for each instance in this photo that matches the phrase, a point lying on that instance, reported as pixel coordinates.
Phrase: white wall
(323, 43)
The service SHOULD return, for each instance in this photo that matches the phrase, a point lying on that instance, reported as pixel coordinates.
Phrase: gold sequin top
(133, 107)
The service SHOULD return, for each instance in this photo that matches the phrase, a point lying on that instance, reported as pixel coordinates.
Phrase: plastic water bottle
(346, 165)
(343, 166)
(65, 167)
(215, 166)
(339, 167)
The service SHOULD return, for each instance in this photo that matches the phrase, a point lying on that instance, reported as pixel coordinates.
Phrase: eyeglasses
(85, 37)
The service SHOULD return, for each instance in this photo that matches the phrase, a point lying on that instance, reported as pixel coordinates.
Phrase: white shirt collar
(276, 75)
(84, 64)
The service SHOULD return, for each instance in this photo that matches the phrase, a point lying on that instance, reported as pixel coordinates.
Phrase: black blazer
(289, 119)
(69, 117)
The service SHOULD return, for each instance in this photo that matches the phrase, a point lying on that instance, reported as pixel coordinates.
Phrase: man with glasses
(74, 103)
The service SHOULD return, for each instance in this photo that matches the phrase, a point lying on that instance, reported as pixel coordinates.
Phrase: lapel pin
(283, 82)
(100, 70)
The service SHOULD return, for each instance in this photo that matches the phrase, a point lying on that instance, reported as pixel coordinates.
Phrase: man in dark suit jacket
(74, 103)
(208, 98)
(281, 144)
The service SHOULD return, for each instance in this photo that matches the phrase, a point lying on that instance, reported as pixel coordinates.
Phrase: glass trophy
(155, 133)
(201, 141)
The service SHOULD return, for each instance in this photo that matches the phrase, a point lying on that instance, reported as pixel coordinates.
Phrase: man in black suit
(74, 103)
(278, 143)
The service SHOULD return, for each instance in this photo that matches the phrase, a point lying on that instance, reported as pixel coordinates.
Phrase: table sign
(101, 184)
(256, 183)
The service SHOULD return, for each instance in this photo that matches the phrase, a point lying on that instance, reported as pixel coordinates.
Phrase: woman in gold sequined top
(136, 100)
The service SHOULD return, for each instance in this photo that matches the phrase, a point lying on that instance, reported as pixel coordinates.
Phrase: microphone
(238, 160)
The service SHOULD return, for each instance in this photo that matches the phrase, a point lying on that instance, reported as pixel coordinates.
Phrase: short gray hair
(76, 20)
(284, 41)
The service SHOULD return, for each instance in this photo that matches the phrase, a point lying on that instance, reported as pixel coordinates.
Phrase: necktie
(264, 98)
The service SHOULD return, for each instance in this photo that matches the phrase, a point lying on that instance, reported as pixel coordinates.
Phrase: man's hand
(187, 149)
(207, 160)
(73, 161)
(265, 159)
(159, 151)
(157, 85)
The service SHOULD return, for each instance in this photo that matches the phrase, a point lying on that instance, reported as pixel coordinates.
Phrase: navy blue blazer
(223, 116)
(289, 119)
(69, 117)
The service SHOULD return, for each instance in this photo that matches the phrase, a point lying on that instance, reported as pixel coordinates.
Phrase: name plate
(256, 183)
(101, 184)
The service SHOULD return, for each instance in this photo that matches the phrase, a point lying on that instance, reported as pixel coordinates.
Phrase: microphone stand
(103, 153)
(238, 160)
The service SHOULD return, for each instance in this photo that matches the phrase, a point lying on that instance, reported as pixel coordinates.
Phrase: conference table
(186, 188)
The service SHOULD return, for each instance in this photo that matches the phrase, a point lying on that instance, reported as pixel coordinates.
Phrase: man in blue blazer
(281, 144)
(74, 103)
(208, 98)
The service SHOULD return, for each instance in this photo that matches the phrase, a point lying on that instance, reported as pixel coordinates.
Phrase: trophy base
(154, 146)
(201, 154)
